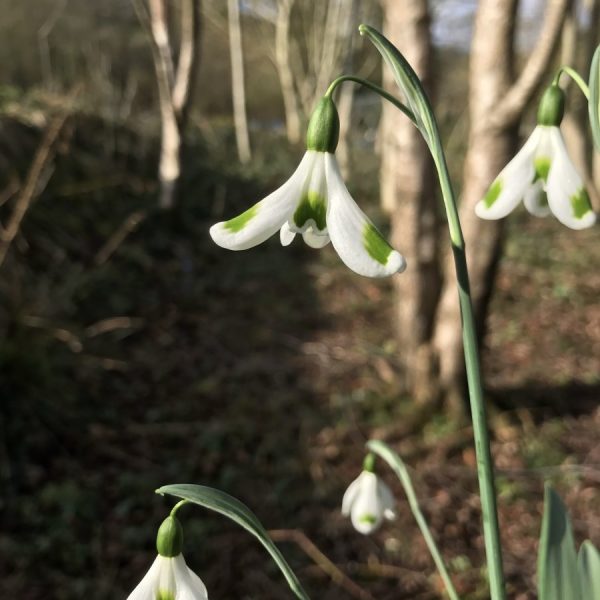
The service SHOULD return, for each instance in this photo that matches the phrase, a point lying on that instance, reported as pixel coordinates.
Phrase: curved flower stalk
(169, 578)
(368, 500)
(316, 204)
(541, 175)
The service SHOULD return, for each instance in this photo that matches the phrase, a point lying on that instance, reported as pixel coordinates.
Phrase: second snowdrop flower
(542, 175)
(368, 500)
(315, 203)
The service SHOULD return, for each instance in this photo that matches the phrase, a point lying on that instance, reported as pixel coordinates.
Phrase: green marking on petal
(311, 206)
(542, 168)
(492, 193)
(580, 203)
(368, 518)
(543, 199)
(164, 595)
(375, 245)
(238, 223)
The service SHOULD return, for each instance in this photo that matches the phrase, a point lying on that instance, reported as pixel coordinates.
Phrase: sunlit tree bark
(407, 195)
(238, 87)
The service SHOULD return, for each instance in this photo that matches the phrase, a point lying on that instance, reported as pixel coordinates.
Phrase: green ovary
(368, 518)
(311, 206)
(542, 168)
(580, 203)
(164, 595)
(375, 245)
(238, 223)
(492, 193)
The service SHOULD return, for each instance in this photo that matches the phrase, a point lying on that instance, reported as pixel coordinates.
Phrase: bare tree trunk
(407, 194)
(495, 107)
(238, 87)
(284, 70)
(174, 84)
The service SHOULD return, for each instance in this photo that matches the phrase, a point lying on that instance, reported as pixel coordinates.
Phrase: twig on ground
(129, 225)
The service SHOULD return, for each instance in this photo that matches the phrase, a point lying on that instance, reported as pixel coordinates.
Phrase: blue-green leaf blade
(588, 563)
(233, 509)
(407, 80)
(558, 576)
(594, 101)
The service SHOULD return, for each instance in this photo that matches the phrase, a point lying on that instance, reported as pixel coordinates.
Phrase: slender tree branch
(512, 104)
(32, 187)
(190, 10)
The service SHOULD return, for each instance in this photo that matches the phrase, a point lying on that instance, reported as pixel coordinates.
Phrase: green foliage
(594, 100)
(561, 573)
(239, 513)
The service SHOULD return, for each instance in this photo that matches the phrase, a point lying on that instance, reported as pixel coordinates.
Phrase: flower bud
(552, 107)
(169, 540)
(324, 127)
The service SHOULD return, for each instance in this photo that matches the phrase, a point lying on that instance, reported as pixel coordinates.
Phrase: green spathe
(552, 107)
(238, 223)
(493, 193)
(169, 540)
(311, 206)
(580, 203)
(324, 127)
(375, 245)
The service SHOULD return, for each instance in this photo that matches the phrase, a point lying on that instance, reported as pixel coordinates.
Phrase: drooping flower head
(368, 500)
(169, 578)
(315, 203)
(542, 175)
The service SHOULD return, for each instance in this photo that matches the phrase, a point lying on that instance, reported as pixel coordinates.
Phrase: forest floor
(263, 373)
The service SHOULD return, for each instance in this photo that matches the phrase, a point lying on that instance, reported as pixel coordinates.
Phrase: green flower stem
(485, 470)
(375, 88)
(178, 506)
(576, 77)
(398, 466)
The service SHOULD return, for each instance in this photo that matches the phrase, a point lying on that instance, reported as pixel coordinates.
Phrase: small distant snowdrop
(368, 501)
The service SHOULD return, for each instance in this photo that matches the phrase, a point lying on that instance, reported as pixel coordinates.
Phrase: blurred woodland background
(135, 353)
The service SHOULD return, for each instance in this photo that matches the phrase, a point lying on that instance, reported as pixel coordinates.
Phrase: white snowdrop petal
(358, 243)
(509, 188)
(262, 220)
(567, 196)
(536, 201)
(189, 585)
(350, 495)
(286, 235)
(315, 240)
(388, 502)
(366, 513)
(146, 588)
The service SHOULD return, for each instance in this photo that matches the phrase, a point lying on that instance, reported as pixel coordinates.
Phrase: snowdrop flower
(315, 203)
(368, 501)
(542, 175)
(169, 578)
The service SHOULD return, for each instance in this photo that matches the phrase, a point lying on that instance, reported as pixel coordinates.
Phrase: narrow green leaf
(238, 512)
(588, 563)
(398, 466)
(558, 577)
(407, 81)
(594, 101)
